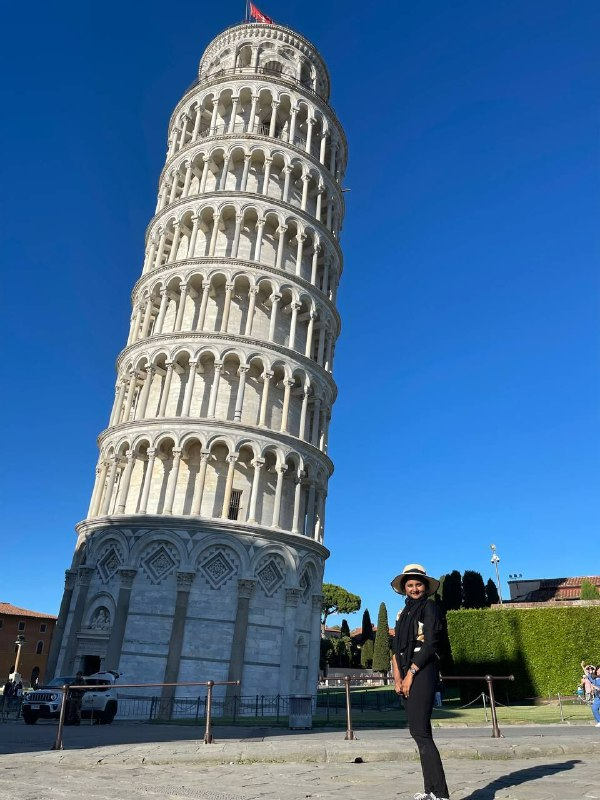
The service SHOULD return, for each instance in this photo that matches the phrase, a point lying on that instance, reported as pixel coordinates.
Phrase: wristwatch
(413, 670)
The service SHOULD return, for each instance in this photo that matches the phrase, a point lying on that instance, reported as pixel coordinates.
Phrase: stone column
(252, 120)
(287, 390)
(310, 511)
(140, 411)
(130, 396)
(84, 577)
(280, 245)
(287, 171)
(315, 263)
(319, 204)
(259, 234)
(118, 404)
(147, 318)
(196, 124)
(258, 464)
(172, 485)
(314, 436)
(181, 308)
(117, 633)
(161, 248)
(244, 183)
(125, 481)
(310, 123)
(293, 323)
(135, 326)
(193, 236)
(239, 401)
(309, 334)
(203, 305)
(305, 182)
(98, 490)
(300, 238)
(199, 490)
(303, 411)
(275, 298)
(297, 502)
(324, 136)
(186, 119)
(264, 398)
(235, 247)
(110, 484)
(223, 181)
(266, 175)
(213, 236)
(164, 398)
(274, 106)
(184, 584)
(189, 389)
(228, 485)
(321, 346)
(280, 469)
(293, 111)
(288, 638)
(240, 633)
(59, 628)
(206, 161)
(213, 119)
(147, 481)
(251, 307)
(214, 389)
(160, 320)
(234, 103)
(187, 180)
(226, 307)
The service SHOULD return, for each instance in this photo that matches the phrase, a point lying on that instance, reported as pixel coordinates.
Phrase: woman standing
(594, 679)
(416, 638)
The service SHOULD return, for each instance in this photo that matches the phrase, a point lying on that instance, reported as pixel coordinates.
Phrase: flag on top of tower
(256, 14)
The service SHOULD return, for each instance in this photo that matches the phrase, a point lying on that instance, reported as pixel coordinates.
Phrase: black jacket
(425, 639)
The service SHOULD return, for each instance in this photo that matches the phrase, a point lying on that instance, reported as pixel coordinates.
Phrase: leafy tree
(326, 655)
(491, 593)
(452, 595)
(367, 627)
(366, 654)
(589, 591)
(439, 592)
(337, 600)
(381, 648)
(345, 629)
(473, 590)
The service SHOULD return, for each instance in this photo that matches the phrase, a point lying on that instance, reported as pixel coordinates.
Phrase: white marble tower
(202, 553)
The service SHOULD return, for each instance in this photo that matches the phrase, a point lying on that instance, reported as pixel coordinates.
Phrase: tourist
(594, 679)
(588, 672)
(415, 666)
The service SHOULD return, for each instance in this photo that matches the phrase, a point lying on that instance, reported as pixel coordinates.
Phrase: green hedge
(541, 647)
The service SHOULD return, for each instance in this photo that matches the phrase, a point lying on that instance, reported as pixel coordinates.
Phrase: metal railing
(272, 73)
(261, 129)
(208, 736)
(489, 679)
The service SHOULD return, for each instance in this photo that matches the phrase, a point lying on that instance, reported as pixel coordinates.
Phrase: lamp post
(20, 642)
(495, 559)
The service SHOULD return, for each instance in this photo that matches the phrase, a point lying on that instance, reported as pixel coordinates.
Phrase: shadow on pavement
(520, 776)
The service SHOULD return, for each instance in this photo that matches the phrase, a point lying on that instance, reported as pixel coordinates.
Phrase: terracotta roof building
(36, 629)
(549, 590)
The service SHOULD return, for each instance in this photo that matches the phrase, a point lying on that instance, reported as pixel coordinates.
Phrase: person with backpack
(415, 666)
(594, 680)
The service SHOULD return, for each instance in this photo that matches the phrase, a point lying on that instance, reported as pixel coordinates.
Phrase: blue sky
(468, 363)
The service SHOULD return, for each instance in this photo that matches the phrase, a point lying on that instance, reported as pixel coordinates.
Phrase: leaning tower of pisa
(202, 553)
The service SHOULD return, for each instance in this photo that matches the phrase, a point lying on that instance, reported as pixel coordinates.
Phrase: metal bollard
(349, 732)
(496, 734)
(58, 742)
(208, 737)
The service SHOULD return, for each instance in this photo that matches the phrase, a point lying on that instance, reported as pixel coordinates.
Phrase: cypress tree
(452, 595)
(366, 654)
(473, 590)
(491, 593)
(381, 648)
(367, 627)
(345, 629)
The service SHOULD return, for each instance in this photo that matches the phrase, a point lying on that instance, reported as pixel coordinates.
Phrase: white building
(202, 553)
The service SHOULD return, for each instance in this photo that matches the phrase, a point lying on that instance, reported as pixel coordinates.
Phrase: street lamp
(495, 559)
(20, 642)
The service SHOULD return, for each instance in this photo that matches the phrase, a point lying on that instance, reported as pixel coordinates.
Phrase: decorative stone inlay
(305, 584)
(271, 574)
(160, 563)
(218, 569)
(100, 620)
(109, 563)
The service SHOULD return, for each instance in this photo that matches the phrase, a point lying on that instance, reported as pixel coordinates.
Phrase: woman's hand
(407, 683)
(398, 685)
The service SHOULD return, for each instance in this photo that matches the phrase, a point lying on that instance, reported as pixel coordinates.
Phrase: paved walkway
(128, 761)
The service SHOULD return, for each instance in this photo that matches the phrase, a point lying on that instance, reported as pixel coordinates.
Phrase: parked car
(99, 701)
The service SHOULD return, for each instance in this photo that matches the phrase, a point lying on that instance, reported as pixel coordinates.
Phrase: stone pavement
(129, 761)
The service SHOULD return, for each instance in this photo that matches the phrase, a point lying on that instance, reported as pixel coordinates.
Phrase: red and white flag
(256, 14)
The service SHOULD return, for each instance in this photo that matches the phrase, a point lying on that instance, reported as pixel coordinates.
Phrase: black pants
(419, 705)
